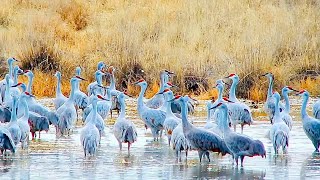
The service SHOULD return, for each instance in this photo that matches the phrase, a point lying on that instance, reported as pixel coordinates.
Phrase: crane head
(28, 94)
(164, 91)
(20, 83)
(140, 81)
(231, 75)
(227, 100)
(125, 92)
(175, 98)
(80, 78)
(301, 92)
(100, 97)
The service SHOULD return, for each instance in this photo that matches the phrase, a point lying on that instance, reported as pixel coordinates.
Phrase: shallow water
(62, 158)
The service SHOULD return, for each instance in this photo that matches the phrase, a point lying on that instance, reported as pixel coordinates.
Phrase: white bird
(311, 126)
(239, 113)
(269, 104)
(99, 122)
(10, 61)
(67, 113)
(60, 98)
(23, 122)
(316, 109)
(240, 145)
(279, 133)
(200, 139)
(171, 121)
(286, 113)
(90, 137)
(153, 118)
(81, 100)
(13, 125)
(124, 130)
(91, 86)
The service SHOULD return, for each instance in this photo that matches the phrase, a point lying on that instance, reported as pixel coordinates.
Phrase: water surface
(63, 158)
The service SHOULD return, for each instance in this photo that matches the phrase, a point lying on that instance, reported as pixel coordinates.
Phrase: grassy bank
(199, 40)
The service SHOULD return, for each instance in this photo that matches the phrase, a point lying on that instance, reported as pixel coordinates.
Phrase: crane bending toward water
(239, 113)
(269, 104)
(67, 113)
(153, 118)
(60, 98)
(91, 86)
(240, 145)
(90, 136)
(200, 139)
(279, 133)
(311, 126)
(286, 113)
(124, 129)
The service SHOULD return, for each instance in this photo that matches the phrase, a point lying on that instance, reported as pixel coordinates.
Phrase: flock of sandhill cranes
(21, 113)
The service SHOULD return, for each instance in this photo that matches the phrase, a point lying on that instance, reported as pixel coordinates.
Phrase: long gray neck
(140, 98)
(94, 113)
(270, 86)
(184, 115)
(220, 90)
(277, 111)
(26, 109)
(167, 104)
(29, 88)
(112, 82)
(10, 70)
(304, 113)
(286, 99)
(224, 121)
(7, 91)
(58, 90)
(122, 114)
(162, 82)
(14, 110)
(73, 86)
(232, 93)
(15, 76)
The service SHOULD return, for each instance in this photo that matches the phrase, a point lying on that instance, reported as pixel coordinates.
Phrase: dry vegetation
(204, 40)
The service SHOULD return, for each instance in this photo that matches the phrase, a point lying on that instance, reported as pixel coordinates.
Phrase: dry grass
(205, 39)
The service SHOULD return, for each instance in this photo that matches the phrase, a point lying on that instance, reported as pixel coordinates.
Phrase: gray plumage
(124, 129)
(311, 126)
(90, 136)
(60, 98)
(240, 145)
(5, 114)
(279, 133)
(199, 138)
(13, 125)
(6, 141)
(316, 109)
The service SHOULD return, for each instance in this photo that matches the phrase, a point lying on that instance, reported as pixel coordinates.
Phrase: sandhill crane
(279, 133)
(239, 113)
(98, 120)
(10, 62)
(90, 137)
(23, 121)
(199, 138)
(124, 130)
(158, 99)
(60, 98)
(67, 113)
(269, 104)
(153, 118)
(13, 125)
(171, 121)
(286, 113)
(240, 145)
(100, 67)
(311, 126)
(81, 100)
(114, 92)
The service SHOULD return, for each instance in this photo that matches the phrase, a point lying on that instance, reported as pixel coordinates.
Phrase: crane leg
(129, 147)
(241, 128)
(208, 155)
(241, 158)
(169, 140)
(236, 159)
(120, 145)
(39, 134)
(235, 128)
(200, 155)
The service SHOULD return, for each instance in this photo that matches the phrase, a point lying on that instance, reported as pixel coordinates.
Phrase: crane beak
(264, 74)
(125, 93)
(81, 78)
(169, 72)
(16, 85)
(100, 97)
(104, 87)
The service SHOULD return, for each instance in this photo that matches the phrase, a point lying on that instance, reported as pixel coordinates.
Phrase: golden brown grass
(207, 39)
